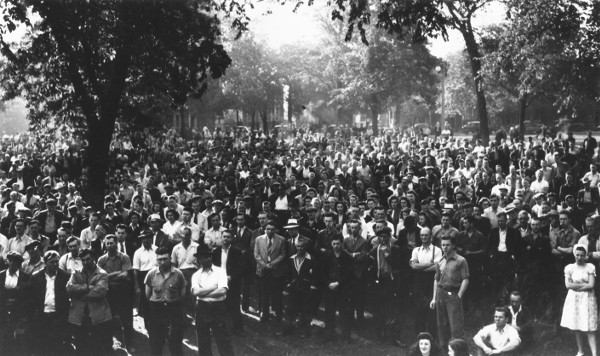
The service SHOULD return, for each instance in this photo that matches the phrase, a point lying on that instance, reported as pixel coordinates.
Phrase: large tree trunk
(374, 115)
(99, 137)
(522, 110)
(265, 118)
(475, 59)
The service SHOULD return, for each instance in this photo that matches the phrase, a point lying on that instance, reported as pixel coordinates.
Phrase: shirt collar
(13, 275)
(451, 256)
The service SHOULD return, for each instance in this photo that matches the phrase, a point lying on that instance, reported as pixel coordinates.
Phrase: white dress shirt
(49, 301)
(11, 280)
(143, 259)
(214, 277)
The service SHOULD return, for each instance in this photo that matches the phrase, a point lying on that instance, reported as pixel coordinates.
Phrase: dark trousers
(233, 301)
(358, 297)
(49, 334)
(12, 337)
(92, 339)
(271, 289)
(385, 307)
(450, 317)
(247, 281)
(502, 272)
(299, 306)
(120, 300)
(211, 316)
(143, 302)
(165, 323)
(338, 300)
(190, 300)
(425, 318)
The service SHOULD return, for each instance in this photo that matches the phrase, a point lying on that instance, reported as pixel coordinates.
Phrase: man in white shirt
(498, 338)
(144, 259)
(213, 236)
(183, 258)
(540, 185)
(89, 234)
(492, 212)
(209, 286)
(422, 262)
(71, 262)
(21, 240)
(189, 224)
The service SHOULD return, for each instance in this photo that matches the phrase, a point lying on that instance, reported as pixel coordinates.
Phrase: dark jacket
(37, 292)
(340, 269)
(301, 280)
(20, 297)
(513, 242)
(235, 266)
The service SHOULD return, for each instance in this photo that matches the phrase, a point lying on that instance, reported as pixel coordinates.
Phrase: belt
(210, 301)
(165, 304)
(448, 289)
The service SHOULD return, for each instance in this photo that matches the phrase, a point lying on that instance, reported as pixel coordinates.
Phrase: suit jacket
(513, 242)
(324, 239)
(235, 266)
(301, 280)
(162, 240)
(340, 269)
(37, 288)
(244, 241)
(277, 255)
(359, 263)
(21, 296)
(41, 216)
(94, 298)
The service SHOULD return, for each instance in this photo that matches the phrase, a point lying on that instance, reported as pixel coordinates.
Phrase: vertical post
(443, 94)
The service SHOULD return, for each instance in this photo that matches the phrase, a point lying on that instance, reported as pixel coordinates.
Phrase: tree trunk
(375, 116)
(99, 137)
(264, 116)
(522, 110)
(253, 121)
(474, 58)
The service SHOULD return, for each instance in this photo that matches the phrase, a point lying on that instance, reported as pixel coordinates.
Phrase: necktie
(122, 247)
(269, 244)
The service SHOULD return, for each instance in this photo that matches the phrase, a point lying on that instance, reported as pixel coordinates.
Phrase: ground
(260, 339)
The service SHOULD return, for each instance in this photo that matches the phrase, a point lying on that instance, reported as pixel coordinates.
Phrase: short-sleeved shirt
(427, 254)
(451, 271)
(69, 264)
(165, 287)
(183, 258)
(214, 277)
(118, 263)
(567, 237)
(497, 339)
(143, 259)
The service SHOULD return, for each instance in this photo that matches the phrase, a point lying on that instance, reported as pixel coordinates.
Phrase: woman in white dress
(580, 312)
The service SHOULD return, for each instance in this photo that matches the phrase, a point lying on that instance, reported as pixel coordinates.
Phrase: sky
(283, 26)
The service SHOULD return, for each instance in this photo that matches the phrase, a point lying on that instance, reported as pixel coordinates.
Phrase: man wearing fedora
(270, 252)
(210, 286)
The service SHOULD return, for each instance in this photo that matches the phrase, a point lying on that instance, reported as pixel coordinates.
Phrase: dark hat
(15, 257)
(66, 224)
(386, 231)
(32, 245)
(202, 250)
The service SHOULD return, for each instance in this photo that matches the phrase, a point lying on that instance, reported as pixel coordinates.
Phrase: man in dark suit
(301, 282)
(234, 266)
(505, 252)
(358, 248)
(339, 269)
(242, 239)
(160, 239)
(13, 306)
(50, 312)
(270, 253)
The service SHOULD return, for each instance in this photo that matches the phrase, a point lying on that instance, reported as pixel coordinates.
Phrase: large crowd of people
(409, 228)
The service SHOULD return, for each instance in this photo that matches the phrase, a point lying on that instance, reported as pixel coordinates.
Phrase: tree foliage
(91, 61)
